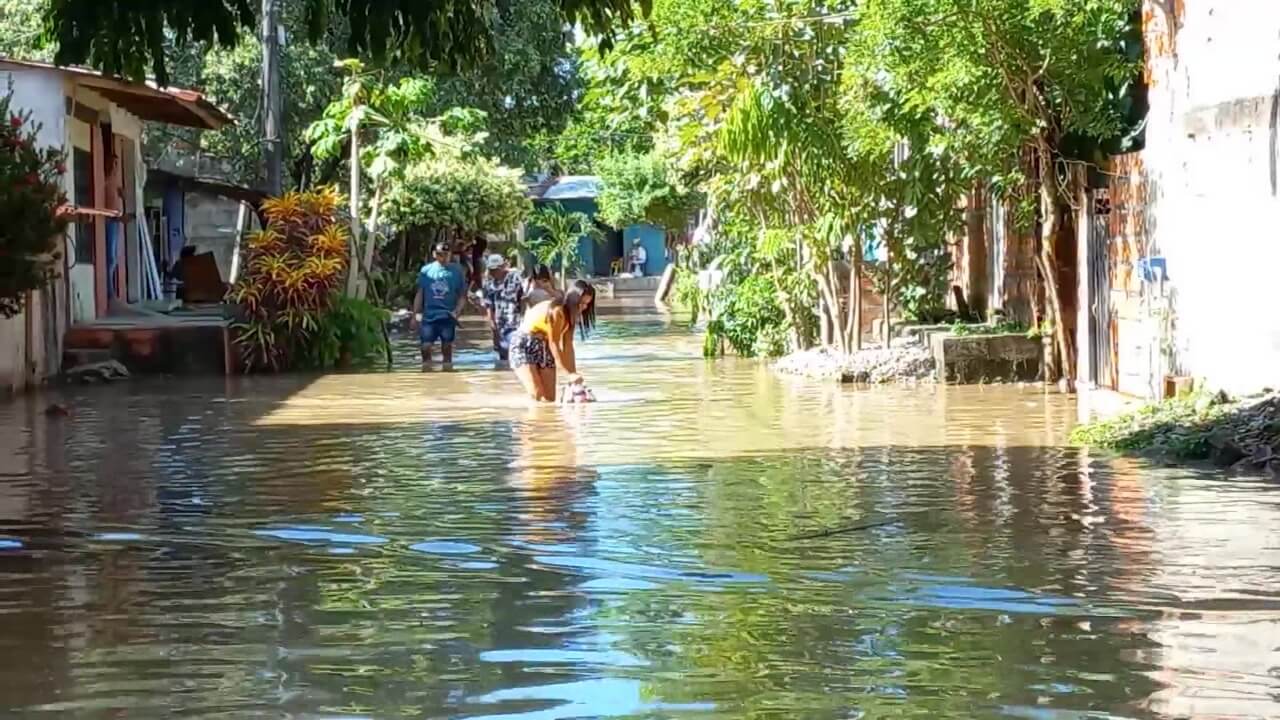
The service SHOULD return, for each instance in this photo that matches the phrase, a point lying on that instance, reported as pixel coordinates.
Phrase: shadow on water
(399, 545)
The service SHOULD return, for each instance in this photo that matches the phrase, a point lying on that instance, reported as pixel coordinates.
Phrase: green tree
(467, 196)
(383, 128)
(527, 88)
(231, 77)
(1018, 83)
(763, 124)
(557, 244)
(125, 37)
(616, 113)
(20, 37)
(910, 179)
(629, 92)
(643, 188)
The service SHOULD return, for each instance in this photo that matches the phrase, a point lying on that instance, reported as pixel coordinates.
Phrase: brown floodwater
(426, 545)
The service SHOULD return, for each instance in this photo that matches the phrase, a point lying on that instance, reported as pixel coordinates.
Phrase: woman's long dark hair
(541, 272)
(586, 321)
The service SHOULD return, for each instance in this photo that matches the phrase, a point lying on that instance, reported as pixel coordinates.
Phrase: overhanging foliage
(128, 37)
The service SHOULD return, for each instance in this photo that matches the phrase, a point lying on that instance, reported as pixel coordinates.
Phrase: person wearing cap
(638, 258)
(503, 297)
(438, 302)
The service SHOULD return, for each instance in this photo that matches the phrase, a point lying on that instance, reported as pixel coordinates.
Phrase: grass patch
(1195, 427)
(1003, 327)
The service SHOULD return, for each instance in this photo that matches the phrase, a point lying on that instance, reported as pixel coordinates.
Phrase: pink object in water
(576, 393)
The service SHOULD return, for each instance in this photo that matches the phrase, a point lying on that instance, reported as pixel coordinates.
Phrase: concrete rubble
(906, 363)
(105, 371)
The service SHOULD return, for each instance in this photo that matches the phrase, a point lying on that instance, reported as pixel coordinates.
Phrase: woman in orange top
(544, 340)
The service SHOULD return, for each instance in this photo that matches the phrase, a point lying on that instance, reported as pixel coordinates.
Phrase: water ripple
(426, 544)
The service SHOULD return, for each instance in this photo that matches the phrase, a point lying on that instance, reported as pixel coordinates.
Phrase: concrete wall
(211, 227)
(13, 354)
(1213, 184)
(586, 247)
(654, 241)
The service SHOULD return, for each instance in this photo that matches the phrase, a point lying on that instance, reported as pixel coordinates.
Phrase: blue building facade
(654, 241)
(578, 193)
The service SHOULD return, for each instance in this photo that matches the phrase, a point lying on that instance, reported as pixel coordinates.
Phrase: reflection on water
(428, 545)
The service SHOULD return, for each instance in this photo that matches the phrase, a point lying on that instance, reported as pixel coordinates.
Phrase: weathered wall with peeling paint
(1212, 192)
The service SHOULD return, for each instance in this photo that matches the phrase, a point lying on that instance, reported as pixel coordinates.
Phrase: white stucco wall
(42, 92)
(1212, 158)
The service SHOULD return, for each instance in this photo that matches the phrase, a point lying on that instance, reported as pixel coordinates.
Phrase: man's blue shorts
(442, 329)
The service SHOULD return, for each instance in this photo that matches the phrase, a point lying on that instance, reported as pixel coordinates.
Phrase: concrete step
(168, 348)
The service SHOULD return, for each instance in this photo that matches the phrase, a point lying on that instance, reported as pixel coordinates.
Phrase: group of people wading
(532, 321)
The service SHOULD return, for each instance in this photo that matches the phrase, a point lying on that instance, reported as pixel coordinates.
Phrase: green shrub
(30, 195)
(1184, 427)
(351, 331)
(748, 316)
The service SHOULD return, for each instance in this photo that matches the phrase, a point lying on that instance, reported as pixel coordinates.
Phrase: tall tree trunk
(353, 273)
(975, 249)
(398, 268)
(824, 323)
(853, 319)
(370, 245)
(887, 302)
(798, 341)
(1051, 213)
(837, 329)
(830, 306)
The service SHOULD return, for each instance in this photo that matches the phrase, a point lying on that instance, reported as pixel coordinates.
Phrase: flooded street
(411, 545)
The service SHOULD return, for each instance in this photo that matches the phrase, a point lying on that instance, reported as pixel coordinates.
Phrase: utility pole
(272, 102)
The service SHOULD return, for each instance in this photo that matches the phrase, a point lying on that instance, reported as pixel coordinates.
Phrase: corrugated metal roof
(573, 187)
(173, 105)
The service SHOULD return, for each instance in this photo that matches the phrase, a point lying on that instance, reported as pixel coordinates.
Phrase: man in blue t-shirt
(438, 302)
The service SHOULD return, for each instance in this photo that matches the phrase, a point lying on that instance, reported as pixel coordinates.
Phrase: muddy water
(413, 545)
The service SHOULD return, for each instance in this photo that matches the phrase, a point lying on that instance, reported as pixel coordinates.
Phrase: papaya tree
(382, 127)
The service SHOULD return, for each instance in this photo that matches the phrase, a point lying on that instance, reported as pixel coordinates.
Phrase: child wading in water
(544, 340)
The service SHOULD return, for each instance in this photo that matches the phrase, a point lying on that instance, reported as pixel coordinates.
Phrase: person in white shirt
(638, 258)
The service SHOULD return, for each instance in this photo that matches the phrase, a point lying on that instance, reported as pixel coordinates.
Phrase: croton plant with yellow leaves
(292, 270)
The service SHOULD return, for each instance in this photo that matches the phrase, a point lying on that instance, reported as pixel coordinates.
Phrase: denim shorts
(502, 338)
(442, 329)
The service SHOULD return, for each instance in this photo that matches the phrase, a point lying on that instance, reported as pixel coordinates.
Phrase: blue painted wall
(593, 256)
(596, 257)
(654, 241)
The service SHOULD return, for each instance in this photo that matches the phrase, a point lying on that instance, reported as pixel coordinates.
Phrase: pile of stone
(1246, 435)
(906, 363)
